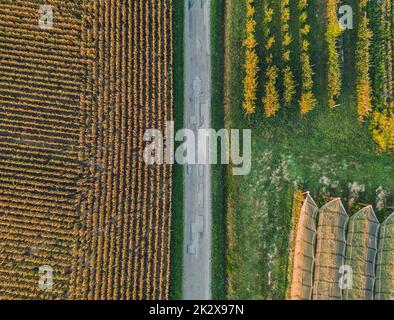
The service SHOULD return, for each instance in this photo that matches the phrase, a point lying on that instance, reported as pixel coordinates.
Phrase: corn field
(75, 193)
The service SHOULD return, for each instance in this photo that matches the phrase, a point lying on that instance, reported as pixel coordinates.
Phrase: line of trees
(271, 97)
(333, 32)
(363, 82)
(382, 124)
(374, 81)
(308, 100)
(251, 60)
(287, 72)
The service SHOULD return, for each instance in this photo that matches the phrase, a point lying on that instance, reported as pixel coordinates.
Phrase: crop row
(383, 82)
(333, 32)
(307, 100)
(271, 98)
(39, 136)
(251, 60)
(122, 250)
(287, 72)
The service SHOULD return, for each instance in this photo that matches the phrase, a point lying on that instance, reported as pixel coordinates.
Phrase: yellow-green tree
(382, 124)
(287, 73)
(363, 83)
(251, 61)
(383, 129)
(333, 32)
(270, 98)
(271, 95)
(307, 101)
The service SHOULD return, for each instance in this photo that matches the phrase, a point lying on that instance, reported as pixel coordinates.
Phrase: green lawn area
(217, 171)
(176, 268)
(323, 152)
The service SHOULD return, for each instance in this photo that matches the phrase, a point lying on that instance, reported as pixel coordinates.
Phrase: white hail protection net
(304, 252)
(330, 251)
(384, 286)
(361, 250)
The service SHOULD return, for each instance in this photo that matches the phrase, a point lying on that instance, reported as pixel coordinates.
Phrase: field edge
(219, 290)
(176, 268)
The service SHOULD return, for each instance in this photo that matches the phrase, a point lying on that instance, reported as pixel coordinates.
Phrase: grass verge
(217, 172)
(176, 268)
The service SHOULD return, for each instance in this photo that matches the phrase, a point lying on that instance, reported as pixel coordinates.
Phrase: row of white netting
(330, 251)
(304, 252)
(342, 257)
(361, 250)
(385, 262)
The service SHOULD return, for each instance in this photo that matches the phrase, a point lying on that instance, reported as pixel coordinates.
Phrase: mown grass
(322, 152)
(217, 171)
(176, 268)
